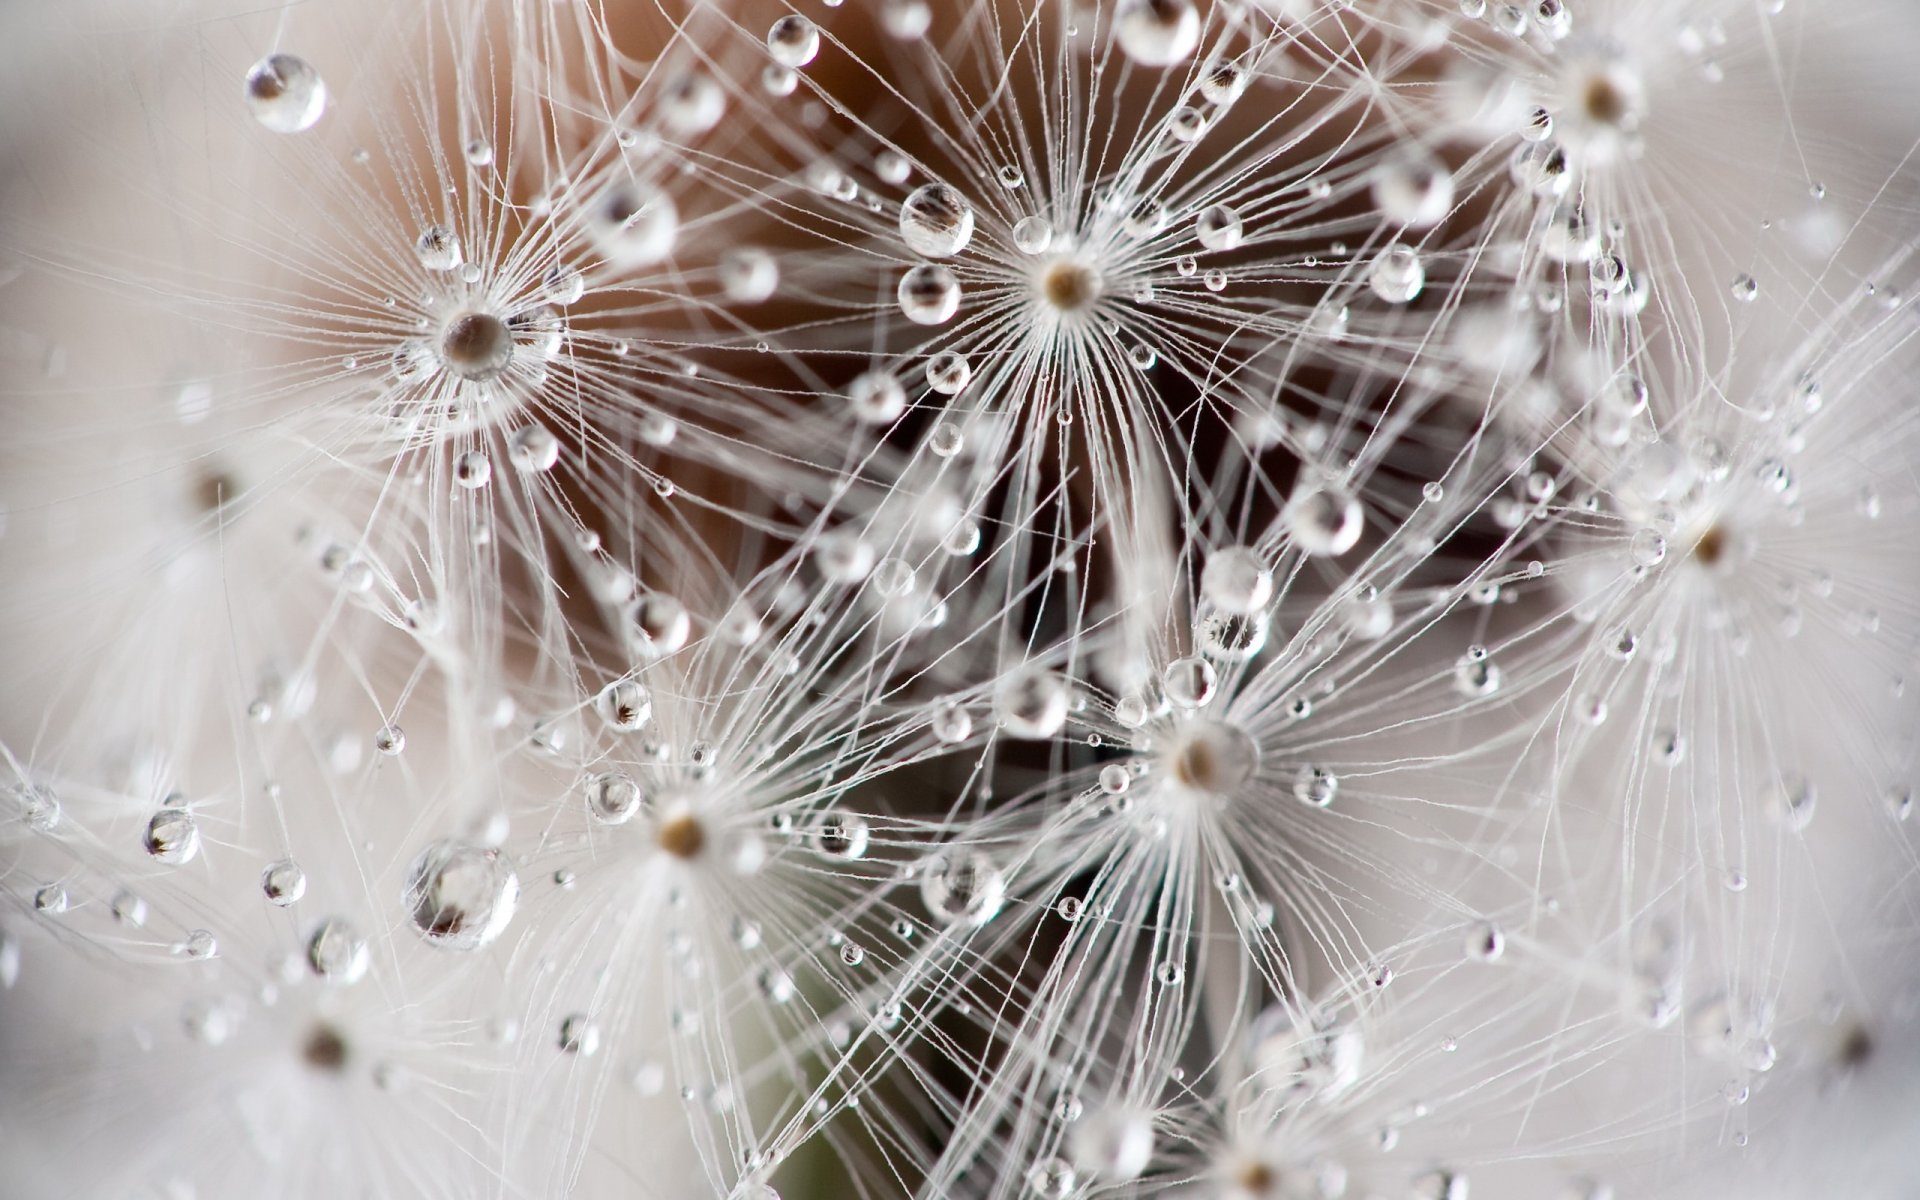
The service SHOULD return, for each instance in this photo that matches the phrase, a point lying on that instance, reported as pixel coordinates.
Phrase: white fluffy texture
(1537, 820)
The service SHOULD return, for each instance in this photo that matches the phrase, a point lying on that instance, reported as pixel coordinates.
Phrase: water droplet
(1156, 33)
(579, 1035)
(793, 41)
(1032, 235)
(337, 953)
(613, 797)
(950, 722)
(283, 882)
(438, 248)
(1052, 1179)
(929, 295)
(172, 836)
(948, 373)
(1033, 704)
(749, 275)
(624, 705)
(1114, 1144)
(841, 835)
(1315, 786)
(960, 886)
(1236, 580)
(691, 104)
(1325, 521)
(658, 624)
(533, 449)
(285, 93)
(1190, 682)
(472, 470)
(634, 224)
(1485, 943)
(1397, 274)
(459, 895)
(935, 221)
(1413, 188)
(1218, 228)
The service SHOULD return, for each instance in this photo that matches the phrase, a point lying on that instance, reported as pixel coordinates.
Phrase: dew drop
(1157, 33)
(337, 953)
(960, 886)
(283, 882)
(172, 836)
(1033, 704)
(929, 295)
(935, 221)
(285, 93)
(460, 896)
(1397, 274)
(793, 41)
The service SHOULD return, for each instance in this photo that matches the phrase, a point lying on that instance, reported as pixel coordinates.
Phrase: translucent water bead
(935, 221)
(1324, 521)
(1218, 228)
(1413, 188)
(961, 886)
(929, 295)
(793, 41)
(634, 224)
(1397, 274)
(285, 93)
(1157, 33)
(1033, 704)
(460, 896)
(1236, 580)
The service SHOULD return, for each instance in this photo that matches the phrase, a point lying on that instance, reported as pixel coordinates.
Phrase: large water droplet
(936, 221)
(459, 895)
(285, 93)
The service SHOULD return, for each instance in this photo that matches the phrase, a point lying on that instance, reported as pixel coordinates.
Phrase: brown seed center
(1069, 286)
(1197, 766)
(1711, 547)
(1605, 103)
(325, 1049)
(681, 836)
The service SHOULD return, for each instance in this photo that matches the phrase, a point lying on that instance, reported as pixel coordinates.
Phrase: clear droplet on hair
(1397, 274)
(624, 705)
(1236, 580)
(533, 449)
(960, 886)
(1218, 228)
(949, 373)
(283, 882)
(1032, 235)
(634, 224)
(438, 248)
(1157, 33)
(579, 1036)
(1324, 521)
(793, 41)
(929, 295)
(613, 797)
(460, 896)
(337, 953)
(1033, 704)
(876, 398)
(172, 836)
(285, 93)
(936, 221)
(749, 275)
